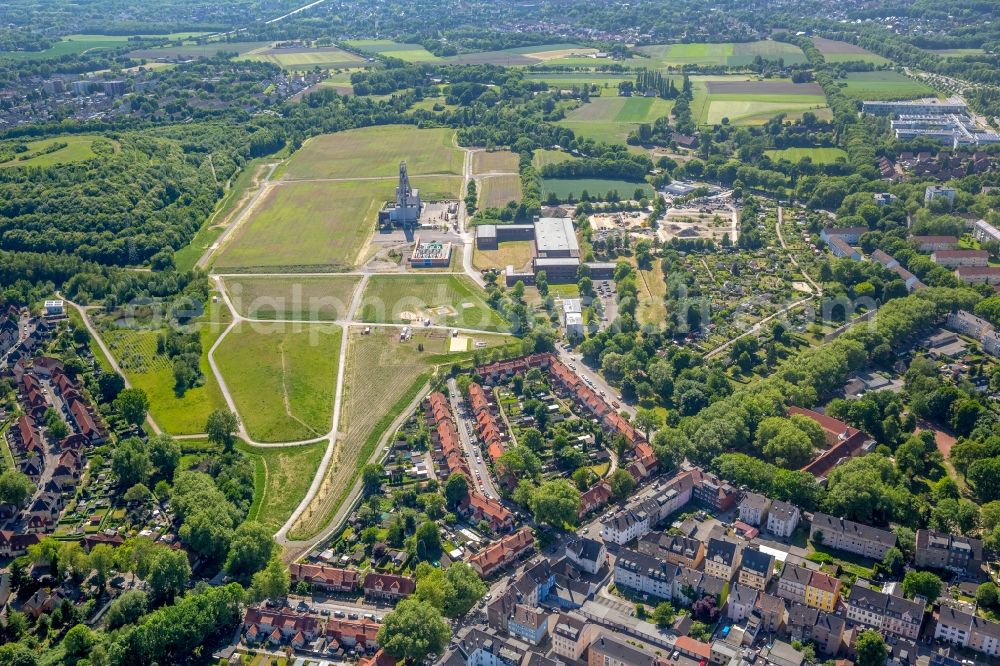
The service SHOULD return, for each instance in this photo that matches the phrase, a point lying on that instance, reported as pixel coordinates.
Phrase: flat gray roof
(555, 234)
(486, 231)
(557, 261)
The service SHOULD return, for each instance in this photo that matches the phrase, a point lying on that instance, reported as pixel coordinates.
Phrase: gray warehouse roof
(555, 234)
(486, 231)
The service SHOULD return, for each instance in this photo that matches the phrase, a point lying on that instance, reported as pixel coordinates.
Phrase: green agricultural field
(296, 226)
(327, 57)
(543, 157)
(376, 151)
(135, 351)
(610, 119)
(746, 101)
(447, 300)
(836, 51)
(497, 191)
(79, 147)
(306, 298)
(206, 50)
(389, 48)
(957, 53)
(884, 85)
(282, 377)
(595, 187)
(607, 82)
(727, 53)
(817, 155)
(282, 478)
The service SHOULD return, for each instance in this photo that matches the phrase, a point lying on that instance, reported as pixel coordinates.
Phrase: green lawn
(447, 300)
(282, 377)
(389, 48)
(957, 53)
(610, 119)
(135, 351)
(77, 148)
(837, 51)
(283, 476)
(817, 155)
(884, 85)
(206, 50)
(70, 45)
(607, 82)
(595, 187)
(375, 151)
(544, 156)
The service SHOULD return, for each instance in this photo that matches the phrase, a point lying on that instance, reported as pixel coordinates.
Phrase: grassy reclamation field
(496, 191)
(282, 478)
(70, 45)
(486, 161)
(135, 351)
(383, 376)
(387, 47)
(884, 85)
(727, 53)
(309, 298)
(543, 157)
(375, 151)
(607, 82)
(817, 155)
(447, 300)
(610, 119)
(326, 57)
(595, 187)
(189, 51)
(510, 253)
(837, 51)
(319, 224)
(524, 55)
(79, 147)
(282, 377)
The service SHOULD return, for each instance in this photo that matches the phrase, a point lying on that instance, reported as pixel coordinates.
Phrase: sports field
(836, 51)
(817, 155)
(282, 377)
(446, 300)
(487, 161)
(595, 188)
(297, 224)
(610, 119)
(884, 85)
(326, 57)
(189, 51)
(135, 351)
(751, 102)
(382, 377)
(727, 53)
(282, 478)
(497, 191)
(79, 147)
(389, 48)
(375, 151)
(307, 298)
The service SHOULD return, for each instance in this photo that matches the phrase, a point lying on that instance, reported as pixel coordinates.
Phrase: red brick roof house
(438, 407)
(350, 633)
(42, 601)
(388, 586)
(62, 383)
(68, 468)
(46, 366)
(280, 625)
(595, 497)
(85, 422)
(16, 545)
(91, 540)
(332, 579)
(501, 553)
(27, 436)
(380, 658)
(845, 442)
(479, 507)
(76, 442)
(503, 370)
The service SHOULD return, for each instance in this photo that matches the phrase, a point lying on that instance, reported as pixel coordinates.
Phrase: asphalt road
(472, 454)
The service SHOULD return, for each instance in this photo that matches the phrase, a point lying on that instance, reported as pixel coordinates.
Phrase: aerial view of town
(499, 333)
